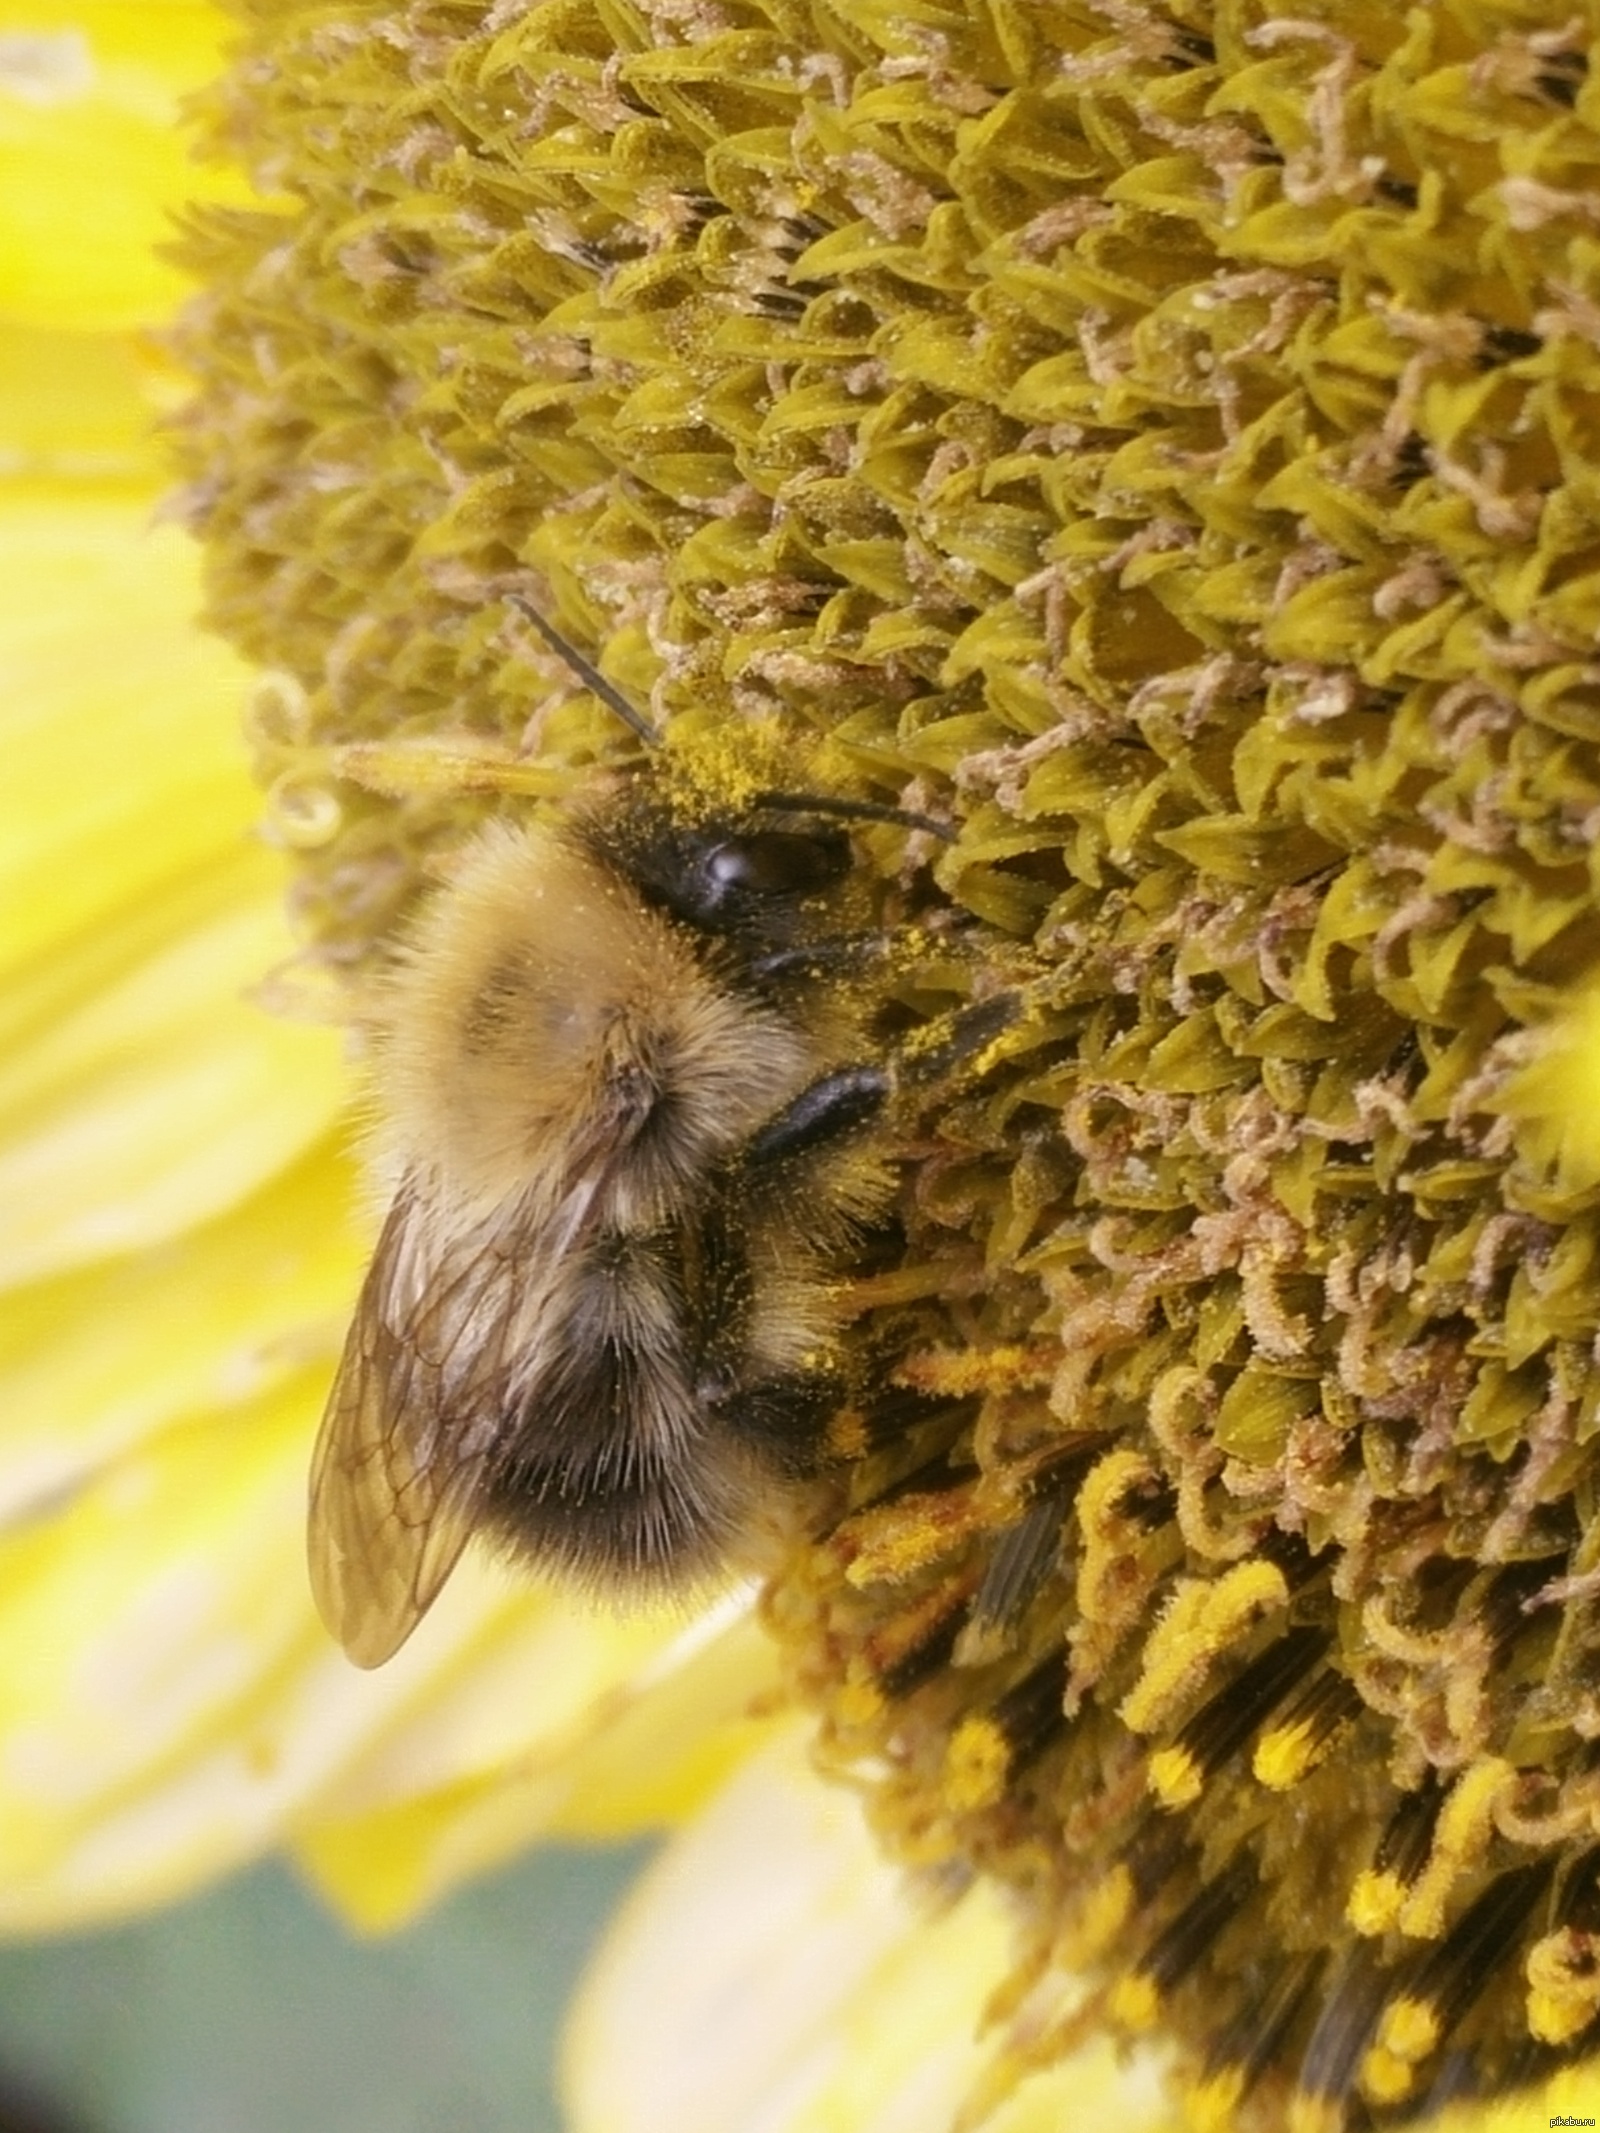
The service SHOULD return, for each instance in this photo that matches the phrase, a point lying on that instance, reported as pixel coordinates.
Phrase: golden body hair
(622, 1118)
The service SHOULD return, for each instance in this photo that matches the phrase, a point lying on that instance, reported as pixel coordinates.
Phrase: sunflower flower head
(1168, 431)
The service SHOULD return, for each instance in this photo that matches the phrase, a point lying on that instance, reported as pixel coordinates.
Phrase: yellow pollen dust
(1176, 1778)
(1563, 1972)
(1214, 2101)
(1136, 2001)
(1466, 1824)
(1284, 1755)
(1376, 1900)
(1387, 2077)
(1205, 1619)
(1410, 2029)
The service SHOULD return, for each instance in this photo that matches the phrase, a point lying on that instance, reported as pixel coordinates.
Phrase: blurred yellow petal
(168, 1699)
(169, 1704)
(119, 721)
(144, 1643)
(76, 406)
(771, 1972)
(93, 162)
(142, 1090)
(93, 1360)
(164, 1099)
(651, 1731)
(673, 1736)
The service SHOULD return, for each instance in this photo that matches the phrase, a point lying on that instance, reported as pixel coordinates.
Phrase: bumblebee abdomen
(605, 1462)
(654, 1423)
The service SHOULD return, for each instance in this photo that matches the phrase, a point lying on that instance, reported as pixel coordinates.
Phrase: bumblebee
(632, 1127)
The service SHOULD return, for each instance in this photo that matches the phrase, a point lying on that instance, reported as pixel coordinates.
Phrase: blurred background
(250, 2009)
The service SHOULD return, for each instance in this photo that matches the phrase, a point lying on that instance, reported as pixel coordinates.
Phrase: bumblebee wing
(409, 1429)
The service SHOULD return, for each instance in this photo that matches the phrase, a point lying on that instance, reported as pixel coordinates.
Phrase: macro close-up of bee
(805, 983)
(631, 1125)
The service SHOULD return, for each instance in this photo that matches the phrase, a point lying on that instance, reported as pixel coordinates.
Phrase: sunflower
(1166, 430)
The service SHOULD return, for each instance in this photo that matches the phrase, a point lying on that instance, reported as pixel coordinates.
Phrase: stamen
(1461, 1839)
(1217, 1733)
(1138, 1997)
(1378, 1894)
(910, 1532)
(1024, 1557)
(990, 1749)
(880, 1416)
(1306, 1731)
(1248, 2048)
(1158, 1852)
(1442, 1987)
(908, 1649)
(1328, 2068)
(1563, 1968)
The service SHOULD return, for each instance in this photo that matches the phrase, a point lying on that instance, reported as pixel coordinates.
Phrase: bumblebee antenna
(788, 803)
(589, 674)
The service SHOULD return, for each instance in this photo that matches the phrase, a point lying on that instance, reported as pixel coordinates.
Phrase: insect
(632, 1127)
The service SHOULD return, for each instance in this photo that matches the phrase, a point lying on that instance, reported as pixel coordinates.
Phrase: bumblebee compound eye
(769, 864)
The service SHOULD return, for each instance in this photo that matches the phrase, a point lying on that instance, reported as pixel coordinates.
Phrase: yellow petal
(94, 1361)
(142, 1091)
(770, 1970)
(163, 1099)
(149, 1634)
(92, 157)
(169, 1702)
(622, 1726)
(119, 721)
(77, 406)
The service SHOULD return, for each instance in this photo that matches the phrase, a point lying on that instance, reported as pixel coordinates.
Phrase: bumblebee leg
(825, 1112)
(955, 1040)
(854, 1096)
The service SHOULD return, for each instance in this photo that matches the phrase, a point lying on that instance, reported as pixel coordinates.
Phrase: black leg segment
(959, 1038)
(827, 1111)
